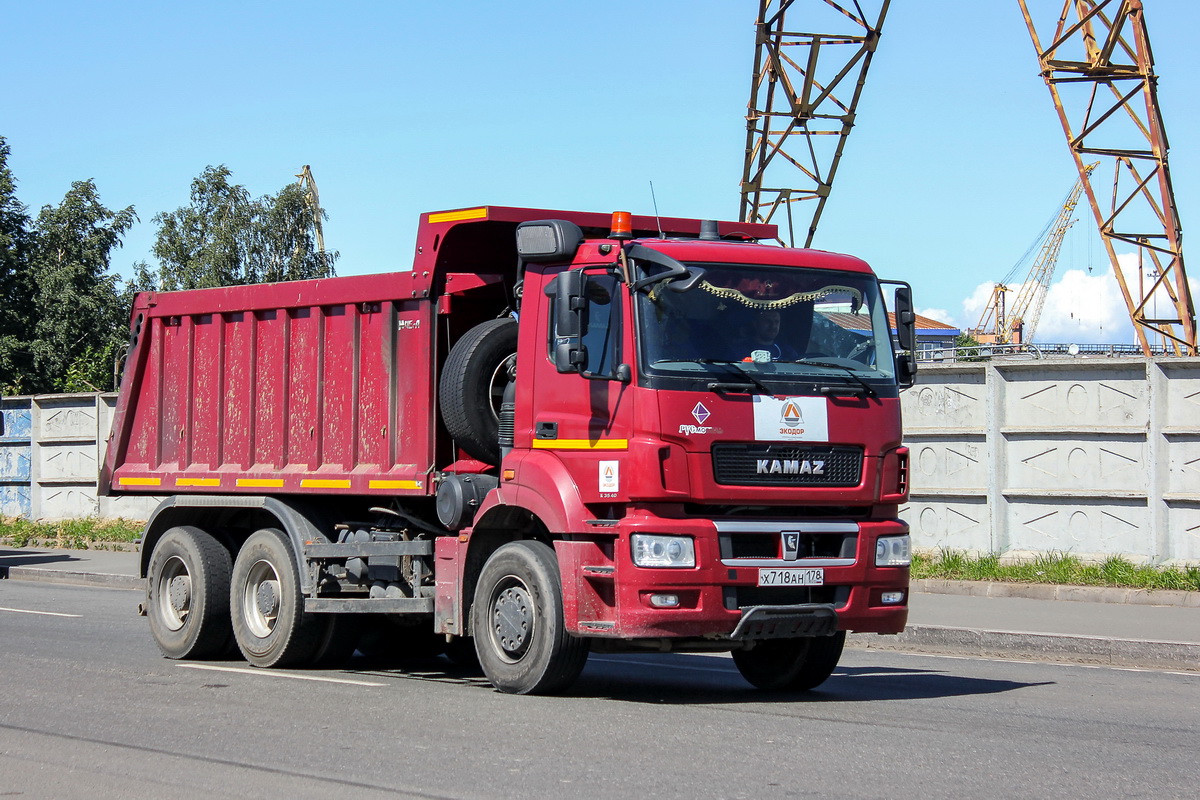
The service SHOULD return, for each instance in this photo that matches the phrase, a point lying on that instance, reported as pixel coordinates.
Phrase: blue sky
(955, 166)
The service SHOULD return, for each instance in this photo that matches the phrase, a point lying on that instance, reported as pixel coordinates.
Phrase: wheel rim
(261, 598)
(498, 383)
(513, 618)
(174, 593)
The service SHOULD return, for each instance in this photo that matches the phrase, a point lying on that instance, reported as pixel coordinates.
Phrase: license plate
(812, 576)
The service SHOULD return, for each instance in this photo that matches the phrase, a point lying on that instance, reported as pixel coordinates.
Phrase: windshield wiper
(866, 389)
(735, 387)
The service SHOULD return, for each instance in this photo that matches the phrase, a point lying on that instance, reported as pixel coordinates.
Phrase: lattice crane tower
(802, 105)
(1099, 68)
(308, 185)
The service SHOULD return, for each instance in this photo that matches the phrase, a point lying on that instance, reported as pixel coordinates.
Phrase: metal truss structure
(801, 109)
(308, 185)
(1100, 72)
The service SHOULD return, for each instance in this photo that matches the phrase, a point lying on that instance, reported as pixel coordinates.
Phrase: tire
(269, 622)
(472, 386)
(824, 652)
(339, 637)
(797, 664)
(517, 621)
(188, 594)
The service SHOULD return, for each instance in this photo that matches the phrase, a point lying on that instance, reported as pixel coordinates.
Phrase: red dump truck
(558, 432)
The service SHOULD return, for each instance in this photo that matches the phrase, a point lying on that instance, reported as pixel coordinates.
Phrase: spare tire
(473, 381)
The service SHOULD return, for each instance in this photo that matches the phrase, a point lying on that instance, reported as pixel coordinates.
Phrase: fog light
(891, 598)
(664, 600)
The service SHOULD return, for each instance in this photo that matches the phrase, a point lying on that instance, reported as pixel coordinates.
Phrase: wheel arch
(496, 527)
(231, 520)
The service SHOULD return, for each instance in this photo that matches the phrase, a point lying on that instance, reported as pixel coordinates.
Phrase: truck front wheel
(269, 622)
(188, 594)
(517, 620)
(796, 664)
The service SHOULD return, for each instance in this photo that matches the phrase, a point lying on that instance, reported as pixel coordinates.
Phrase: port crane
(1019, 324)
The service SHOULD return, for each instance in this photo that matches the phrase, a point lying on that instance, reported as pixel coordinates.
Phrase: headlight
(893, 551)
(663, 551)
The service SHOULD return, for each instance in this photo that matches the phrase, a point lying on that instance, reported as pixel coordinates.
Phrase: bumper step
(786, 622)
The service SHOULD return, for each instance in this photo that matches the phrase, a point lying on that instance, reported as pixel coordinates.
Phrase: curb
(1099, 650)
(62, 576)
(1046, 591)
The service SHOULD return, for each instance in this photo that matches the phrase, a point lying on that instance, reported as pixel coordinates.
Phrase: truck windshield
(766, 322)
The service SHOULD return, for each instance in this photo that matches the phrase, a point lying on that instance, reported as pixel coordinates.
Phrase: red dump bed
(323, 385)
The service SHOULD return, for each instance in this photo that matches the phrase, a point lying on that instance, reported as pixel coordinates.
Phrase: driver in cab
(763, 335)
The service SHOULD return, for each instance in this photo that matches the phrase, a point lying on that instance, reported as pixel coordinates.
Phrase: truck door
(585, 415)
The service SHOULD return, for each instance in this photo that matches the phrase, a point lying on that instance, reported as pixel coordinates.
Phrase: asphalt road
(88, 708)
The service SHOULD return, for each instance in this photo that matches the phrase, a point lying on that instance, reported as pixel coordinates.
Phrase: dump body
(320, 386)
(315, 387)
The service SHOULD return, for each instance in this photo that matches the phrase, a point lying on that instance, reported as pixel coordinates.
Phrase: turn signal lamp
(622, 225)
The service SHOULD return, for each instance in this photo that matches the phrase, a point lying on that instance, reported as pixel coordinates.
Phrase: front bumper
(606, 594)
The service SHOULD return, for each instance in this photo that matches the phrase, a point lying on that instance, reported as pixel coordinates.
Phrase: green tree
(968, 348)
(224, 237)
(81, 316)
(15, 287)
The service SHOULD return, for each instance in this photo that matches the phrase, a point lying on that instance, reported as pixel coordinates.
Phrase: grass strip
(90, 533)
(1054, 568)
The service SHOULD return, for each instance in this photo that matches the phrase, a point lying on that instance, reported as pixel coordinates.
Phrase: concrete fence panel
(1091, 456)
(15, 454)
(51, 449)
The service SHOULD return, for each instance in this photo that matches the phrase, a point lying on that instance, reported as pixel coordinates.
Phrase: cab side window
(601, 325)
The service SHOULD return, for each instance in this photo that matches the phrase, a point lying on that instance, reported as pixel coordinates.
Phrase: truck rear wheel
(269, 622)
(472, 386)
(797, 664)
(339, 636)
(188, 594)
(517, 620)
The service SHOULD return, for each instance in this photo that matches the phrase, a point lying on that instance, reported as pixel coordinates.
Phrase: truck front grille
(770, 545)
(786, 465)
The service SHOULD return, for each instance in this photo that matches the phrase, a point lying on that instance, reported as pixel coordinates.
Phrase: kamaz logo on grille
(788, 466)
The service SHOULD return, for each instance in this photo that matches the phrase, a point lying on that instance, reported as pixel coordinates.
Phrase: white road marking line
(44, 613)
(262, 673)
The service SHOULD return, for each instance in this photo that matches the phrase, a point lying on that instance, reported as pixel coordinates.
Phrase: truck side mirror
(906, 319)
(906, 369)
(569, 290)
(906, 335)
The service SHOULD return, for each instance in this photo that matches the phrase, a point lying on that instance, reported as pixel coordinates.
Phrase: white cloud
(1086, 309)
(937, 315)
(973, 306)
(1080, 307)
